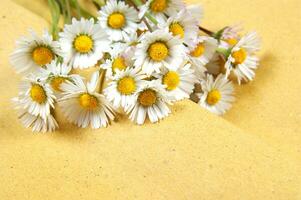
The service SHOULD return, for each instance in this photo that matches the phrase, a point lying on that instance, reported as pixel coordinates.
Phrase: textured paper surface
(254, 153)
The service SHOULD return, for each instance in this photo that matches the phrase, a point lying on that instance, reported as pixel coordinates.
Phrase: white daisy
(57, 73)
(201, 52)
(83, 43)
(120, 59)
(156, 49)
(118, 19)
(36, 123)
(241, 60)
(34, 52)
(160, 9)
(182, 25)
(151, 101)
(121, 90)
(36, 97)
(180, 83)
(217, 95)
(230, 35)
(83, 106)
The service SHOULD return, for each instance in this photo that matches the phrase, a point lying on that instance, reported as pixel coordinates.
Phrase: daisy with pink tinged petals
(242, 62)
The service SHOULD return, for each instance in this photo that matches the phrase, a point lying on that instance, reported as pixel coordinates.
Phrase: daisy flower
(34, 52)
(241, 60)
(118, 20)
(83, 106)
(36, 97)
(217, 95)
(120, 59)
(182, 25)
(36, 123)
(57, 73)
(161, 8)
(201, 52)
(121, 90)
(230, 35)
(156, 49)
(179, 83)
(83, 43)
(151, 102)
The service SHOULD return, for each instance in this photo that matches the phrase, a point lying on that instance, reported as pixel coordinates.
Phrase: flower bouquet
(146, 55)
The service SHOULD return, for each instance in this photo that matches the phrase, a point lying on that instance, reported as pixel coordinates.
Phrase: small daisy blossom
(83, 106)
(201, 52)
(56, 73)
(230, 35)
(241, 60)
(180, 83)
(36, 123)
(151, 102)
(83, 43)
(217, 95)
(36, 97)
(120, 59)
(161, 8)
(34, 52)
(182, 25)
(119, 20)
(156, 49)
(121, 90)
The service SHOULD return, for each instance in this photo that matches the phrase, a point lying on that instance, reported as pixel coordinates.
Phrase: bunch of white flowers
(146, 56)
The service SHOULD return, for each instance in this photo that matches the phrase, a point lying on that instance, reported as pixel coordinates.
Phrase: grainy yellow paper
(252, 154)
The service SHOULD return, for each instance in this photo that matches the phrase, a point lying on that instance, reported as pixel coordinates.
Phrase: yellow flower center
(83, 44)
(88, 101)
(213, 97)
(147, 97)
(232, 41)
(158, 51)
(38, 94)
(158, 5)
(177, 29)
(42, 55)
(198, 51)
(171, 79)
(126, 86)
(116, 20)
(118, 63)
(56, 83)
(239, 56)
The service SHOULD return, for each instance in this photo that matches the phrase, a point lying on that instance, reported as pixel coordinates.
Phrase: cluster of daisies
(145, 56)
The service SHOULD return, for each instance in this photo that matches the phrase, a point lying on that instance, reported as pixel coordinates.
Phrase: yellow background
(254, 152)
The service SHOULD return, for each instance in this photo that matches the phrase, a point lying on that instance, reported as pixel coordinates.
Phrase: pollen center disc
(158, 51)
(147, 97)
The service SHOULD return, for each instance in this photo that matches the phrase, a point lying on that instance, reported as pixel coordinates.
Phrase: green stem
(80, 11)
(68, 11)
(55, 14)
(208, 32)
(225, 52)
(99, 3)
(102, 78)
(74, 4)
(139, 3)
